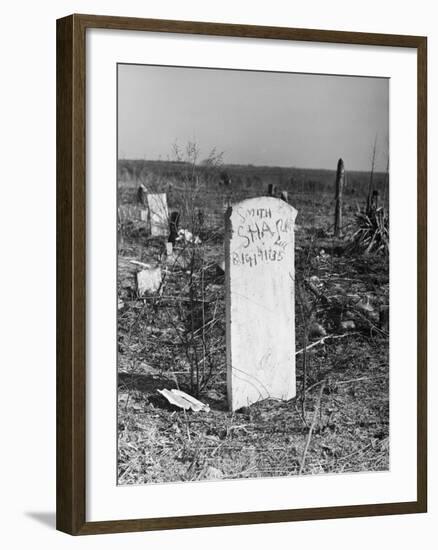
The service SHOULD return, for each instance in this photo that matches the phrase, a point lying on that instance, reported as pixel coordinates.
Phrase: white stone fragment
(148, 281)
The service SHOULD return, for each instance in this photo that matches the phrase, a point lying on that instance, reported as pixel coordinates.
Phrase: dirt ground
(341, 425)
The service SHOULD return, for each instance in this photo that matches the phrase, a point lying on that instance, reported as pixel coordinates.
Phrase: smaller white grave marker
(158, 214)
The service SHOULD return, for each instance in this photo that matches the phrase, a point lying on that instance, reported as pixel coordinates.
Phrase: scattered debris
(316, 329)
(184, 235)
(374, 316)
(366, 308)
(322, 341)
(348, 325)
(220, 267)
(148, 280)
(183, 400)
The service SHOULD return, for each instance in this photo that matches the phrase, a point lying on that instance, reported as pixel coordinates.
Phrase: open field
(175, 337)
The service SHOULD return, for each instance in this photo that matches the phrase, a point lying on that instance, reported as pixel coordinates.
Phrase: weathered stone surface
(260, 273)
(158, 214)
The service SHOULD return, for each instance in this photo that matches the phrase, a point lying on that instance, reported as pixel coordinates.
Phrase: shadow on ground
(148, 384)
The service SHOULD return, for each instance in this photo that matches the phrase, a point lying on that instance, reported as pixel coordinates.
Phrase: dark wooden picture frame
(71, 271)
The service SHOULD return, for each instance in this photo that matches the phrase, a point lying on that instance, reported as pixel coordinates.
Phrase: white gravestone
(158, 214)
(260, 301)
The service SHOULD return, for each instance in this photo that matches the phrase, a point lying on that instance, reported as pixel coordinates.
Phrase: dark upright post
(173, 227)
(340, 174)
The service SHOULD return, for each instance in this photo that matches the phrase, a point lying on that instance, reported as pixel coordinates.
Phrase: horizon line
(236, 164)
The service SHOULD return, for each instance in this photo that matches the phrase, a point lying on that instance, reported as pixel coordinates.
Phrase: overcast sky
(260, 118)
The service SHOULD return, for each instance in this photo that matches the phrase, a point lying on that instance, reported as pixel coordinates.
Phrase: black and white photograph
(252, 274)
(217, 292)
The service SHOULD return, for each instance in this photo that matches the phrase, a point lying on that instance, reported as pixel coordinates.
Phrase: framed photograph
(241, 274)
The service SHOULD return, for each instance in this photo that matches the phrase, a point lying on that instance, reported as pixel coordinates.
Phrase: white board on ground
(158, 214)
(148, 281)
(260, 301)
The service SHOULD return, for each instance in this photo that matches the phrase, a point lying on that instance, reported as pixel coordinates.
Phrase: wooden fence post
(340, 175)
(271, 190)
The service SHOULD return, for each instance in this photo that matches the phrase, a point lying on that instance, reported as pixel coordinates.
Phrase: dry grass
(158, 443)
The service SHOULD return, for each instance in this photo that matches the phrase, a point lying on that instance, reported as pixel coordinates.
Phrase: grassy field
(175, 338)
